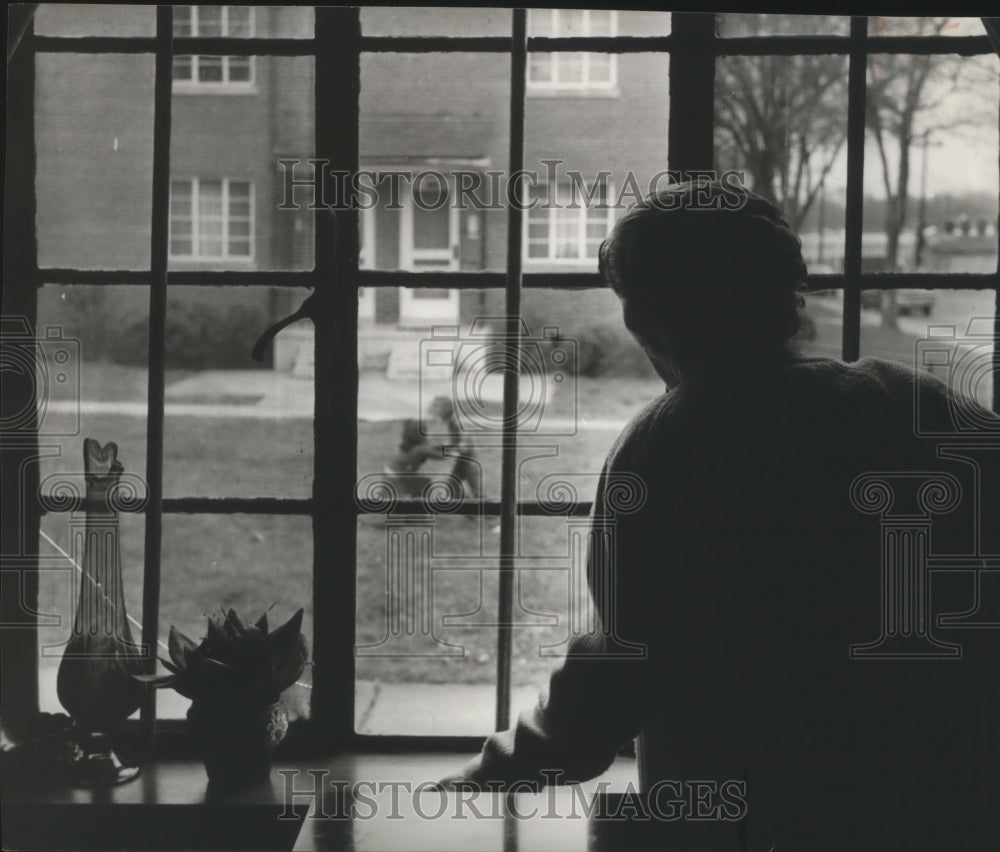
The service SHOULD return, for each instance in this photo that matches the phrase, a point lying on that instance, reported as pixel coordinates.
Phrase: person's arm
(598, 698)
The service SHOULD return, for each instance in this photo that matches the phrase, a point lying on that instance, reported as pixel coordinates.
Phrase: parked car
(908, 301)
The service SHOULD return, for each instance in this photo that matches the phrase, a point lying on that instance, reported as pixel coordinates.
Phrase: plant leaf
(282, 639)
(177, 645)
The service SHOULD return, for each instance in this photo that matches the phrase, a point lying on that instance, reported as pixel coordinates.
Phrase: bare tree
(782, 119)
(905, 93)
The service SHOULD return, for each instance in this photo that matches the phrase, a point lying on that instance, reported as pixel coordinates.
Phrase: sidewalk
(269, 395)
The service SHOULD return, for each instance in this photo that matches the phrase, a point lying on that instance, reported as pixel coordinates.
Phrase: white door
(428, 240)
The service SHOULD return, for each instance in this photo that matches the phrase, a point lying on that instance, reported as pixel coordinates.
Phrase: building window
(567, 225)
(231, 72)
(211, 219)
(572, 71)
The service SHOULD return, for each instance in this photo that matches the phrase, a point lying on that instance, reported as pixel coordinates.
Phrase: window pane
(602, 22)
(240, 69)
(782, 122)
(60, 578)
(87, 19)
(250, 563)
(740, 24)
(930, 158)
(93, 345)
(235, 428)
(182, 67)
(431, 21)
(240, 21)
(879, 25)
(94, 137)
(406, 137)
(422, 353)
(261, 145)
(210, 69)
(209, 20)
(903, 325)
(579, 156)
(426, 610)
(821, 324)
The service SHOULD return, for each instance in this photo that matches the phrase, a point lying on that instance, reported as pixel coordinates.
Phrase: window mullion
(856, 93)
(159, 247)
(512, 346)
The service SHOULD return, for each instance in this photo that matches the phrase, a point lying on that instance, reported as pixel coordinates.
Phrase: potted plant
(235, 678)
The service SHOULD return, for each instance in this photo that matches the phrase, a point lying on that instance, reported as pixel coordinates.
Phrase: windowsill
(542, 92)
(169, 806)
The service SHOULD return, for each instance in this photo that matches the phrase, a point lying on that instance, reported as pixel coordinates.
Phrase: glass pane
(259, 144)
(250, 563)
(579, 156)
(94, 137)
(426, 616)
(903, 325)
(60, 548)
(740, 24)
(430, 21)
(930, 160)
(458, 138)
(86, 19)
(92, 351)
(210, 69)
(599, 22)
(782, 122)
(236, 428)
(430, 397)
(584, 378)
(879, 25)
(209, 20)
(821, 324)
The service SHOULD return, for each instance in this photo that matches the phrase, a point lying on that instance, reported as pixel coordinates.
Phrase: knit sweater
(746, 576)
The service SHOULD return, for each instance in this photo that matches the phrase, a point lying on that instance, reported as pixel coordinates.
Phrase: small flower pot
(237, 742)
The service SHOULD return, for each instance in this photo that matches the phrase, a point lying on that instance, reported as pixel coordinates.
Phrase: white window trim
(551, 259)
(225, 86)
(196, 256)
(585, 84)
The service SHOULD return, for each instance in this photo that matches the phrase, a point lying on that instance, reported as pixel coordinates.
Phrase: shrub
(198, 336)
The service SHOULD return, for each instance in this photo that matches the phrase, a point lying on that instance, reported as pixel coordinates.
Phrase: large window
(286, 482)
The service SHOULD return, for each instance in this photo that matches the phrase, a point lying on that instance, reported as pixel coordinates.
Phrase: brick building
(234, 119)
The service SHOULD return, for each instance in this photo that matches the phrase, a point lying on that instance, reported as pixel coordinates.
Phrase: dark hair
(705, 266)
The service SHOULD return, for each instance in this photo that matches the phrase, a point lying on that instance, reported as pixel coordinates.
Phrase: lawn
(253, 562)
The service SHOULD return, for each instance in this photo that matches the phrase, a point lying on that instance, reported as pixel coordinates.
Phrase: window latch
(306, 311)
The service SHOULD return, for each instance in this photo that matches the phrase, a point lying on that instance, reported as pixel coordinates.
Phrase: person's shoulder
(642, 428)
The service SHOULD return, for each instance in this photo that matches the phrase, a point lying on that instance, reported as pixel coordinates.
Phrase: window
(572, 71)
(214, 72)
(568, 222)
(290, 506)
(211, 219)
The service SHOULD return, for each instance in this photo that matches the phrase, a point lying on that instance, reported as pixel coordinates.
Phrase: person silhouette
(412, 452)
(747, 574)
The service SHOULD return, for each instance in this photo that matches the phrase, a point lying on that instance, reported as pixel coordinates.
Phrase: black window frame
(336, 48)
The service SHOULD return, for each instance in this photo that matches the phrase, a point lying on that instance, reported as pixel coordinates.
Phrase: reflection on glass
(426, 624)
(94, 137)
(236, 428)
(250, 563)
(900, 325)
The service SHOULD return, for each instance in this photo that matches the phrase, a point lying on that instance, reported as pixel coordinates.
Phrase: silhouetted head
(709, 274)
(412, 435)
